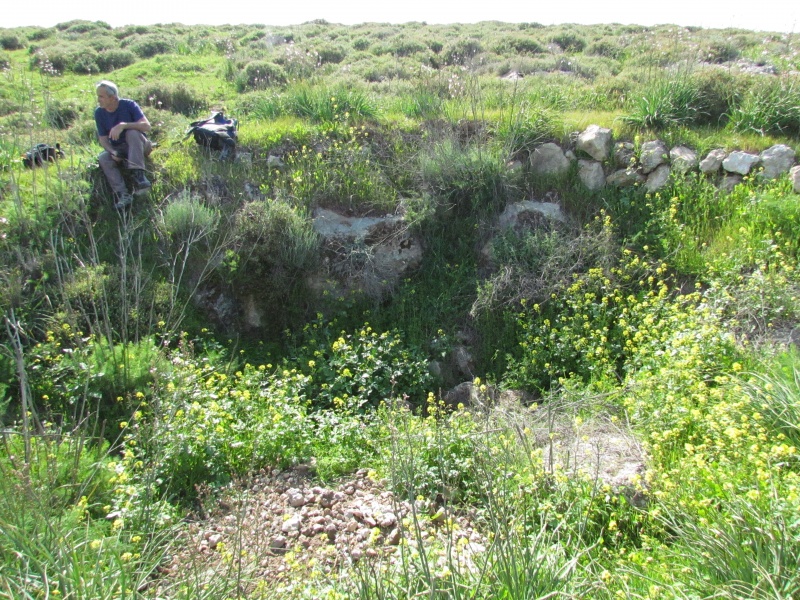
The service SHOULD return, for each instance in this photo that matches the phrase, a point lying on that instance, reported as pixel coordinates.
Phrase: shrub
(259, 75)
(718, 92)
(469, 180)
(66, 57)
(176, 98)
(358, 370)
(721, 51)
(186, 220)
(114, 58)
(329, 53)
(149, 45)
(275, 244)
(462, 51)
(519, 45)
(569, 42)
(60, 114)
(606, 48)
(81, 27)
(361, 44)
(10, 41)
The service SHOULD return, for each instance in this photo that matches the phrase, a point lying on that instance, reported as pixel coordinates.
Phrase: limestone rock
(549, 159)
(595, 141)
(512, 214)
(776, 161)
(658, 178)
(624, 155)
(653, 154)
(591, 174)
(730, 181)
(683, 159)
(794, 175)
(713, 161)
(625, 178)
(366, 253)
(740, 162)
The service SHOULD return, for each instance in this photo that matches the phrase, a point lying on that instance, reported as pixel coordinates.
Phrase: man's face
(105, 100)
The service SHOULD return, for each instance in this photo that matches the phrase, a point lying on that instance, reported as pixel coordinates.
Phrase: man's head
(107, 95)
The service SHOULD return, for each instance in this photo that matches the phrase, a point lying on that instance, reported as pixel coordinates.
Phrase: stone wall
(603, 162)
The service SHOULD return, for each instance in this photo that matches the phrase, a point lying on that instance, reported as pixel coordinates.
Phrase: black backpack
(216, 133)
(41, 153)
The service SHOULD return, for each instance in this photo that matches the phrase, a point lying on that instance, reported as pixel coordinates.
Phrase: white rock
(595, 141)
(740, 162)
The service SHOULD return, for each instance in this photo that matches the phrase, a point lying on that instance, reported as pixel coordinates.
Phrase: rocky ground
(283, 528)
(288, 529)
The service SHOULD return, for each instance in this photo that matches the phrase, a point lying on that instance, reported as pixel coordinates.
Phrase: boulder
(683, 159)
(624, 155)
(653, 154)
(549, 159)
(730, 181)
(658, 178)
(513, 213)
(366, 253)
(776, 161)
(591, 174)
(713, 161)
(595, 141)
(740, 162)
(625, 178)
(794, 176)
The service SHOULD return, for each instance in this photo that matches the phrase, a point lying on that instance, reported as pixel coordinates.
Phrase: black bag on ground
(41, 153)
(218, 132)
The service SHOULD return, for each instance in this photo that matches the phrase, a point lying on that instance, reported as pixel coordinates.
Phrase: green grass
(667, 317)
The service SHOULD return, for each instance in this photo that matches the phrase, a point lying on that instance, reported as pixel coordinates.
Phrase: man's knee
(105, 159)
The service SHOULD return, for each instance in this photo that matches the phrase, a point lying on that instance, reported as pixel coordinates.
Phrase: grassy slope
(369, 117)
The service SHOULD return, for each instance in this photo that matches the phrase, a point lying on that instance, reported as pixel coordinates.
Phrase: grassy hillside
(134, 399)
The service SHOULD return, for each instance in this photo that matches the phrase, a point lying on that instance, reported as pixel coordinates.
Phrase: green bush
(114, 58)
(461, 52)
(468, 180)
(606, 48)
(149, 45)
(331, 53)
(60, 114)
(259, 75)
(177, 98)
(275, 244)
(186, 220)
(354, 371)
(519, 45)
(718, 92)
(10, 41)
(569, 42)
(61, 58)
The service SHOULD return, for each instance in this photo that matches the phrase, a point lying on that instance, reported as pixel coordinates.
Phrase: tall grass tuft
(667, 101)
(769, 107)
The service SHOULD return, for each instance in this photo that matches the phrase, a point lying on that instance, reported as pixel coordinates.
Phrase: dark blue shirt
(127, 112)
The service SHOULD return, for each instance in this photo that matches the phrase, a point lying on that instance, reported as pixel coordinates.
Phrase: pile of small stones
(285, 525)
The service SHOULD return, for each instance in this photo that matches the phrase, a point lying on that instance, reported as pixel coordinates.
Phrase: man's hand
(117, 131)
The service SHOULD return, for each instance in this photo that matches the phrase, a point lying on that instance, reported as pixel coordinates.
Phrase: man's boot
(141, 185)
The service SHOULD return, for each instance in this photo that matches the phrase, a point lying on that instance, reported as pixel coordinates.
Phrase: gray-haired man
(121, 131)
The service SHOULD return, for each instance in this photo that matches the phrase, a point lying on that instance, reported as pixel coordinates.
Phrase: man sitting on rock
(121, 131)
